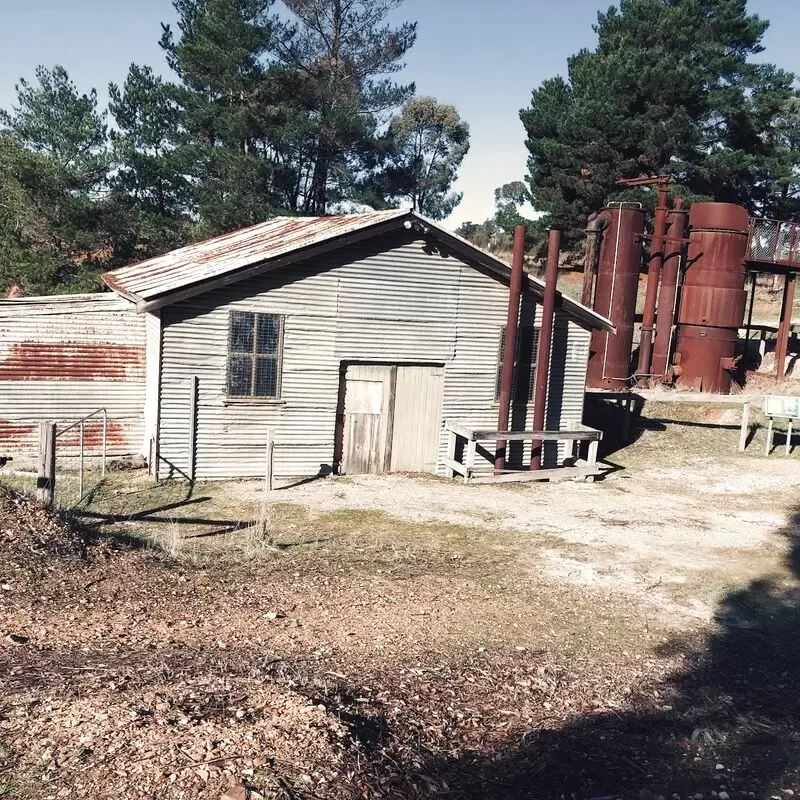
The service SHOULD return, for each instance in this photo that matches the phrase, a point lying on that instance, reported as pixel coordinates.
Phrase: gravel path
(663, 526)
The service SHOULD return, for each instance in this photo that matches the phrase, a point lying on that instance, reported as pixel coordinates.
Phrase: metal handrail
(82, 423)
(83, 419)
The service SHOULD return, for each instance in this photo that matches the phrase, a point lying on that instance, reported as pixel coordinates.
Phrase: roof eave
(582, 315)
(150, 303)
(586, 317)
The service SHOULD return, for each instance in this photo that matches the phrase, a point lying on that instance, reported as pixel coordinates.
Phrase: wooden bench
(587, 469)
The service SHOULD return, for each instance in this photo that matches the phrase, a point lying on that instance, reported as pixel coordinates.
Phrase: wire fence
(774, 241)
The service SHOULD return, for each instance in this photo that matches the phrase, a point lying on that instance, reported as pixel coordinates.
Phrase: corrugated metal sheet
(232, 251)
(388, 301)
(63, 357)
(153, 281)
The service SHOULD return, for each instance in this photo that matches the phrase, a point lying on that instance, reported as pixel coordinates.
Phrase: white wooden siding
(417, 418)
(385, 301)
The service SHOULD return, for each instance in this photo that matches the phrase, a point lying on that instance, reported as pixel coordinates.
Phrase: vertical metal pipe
(105, 443)
(669, 289)
(749, 324)
(782, 345)
(269, 462)
(545, 344)
(192, 443)
(510, 345)
(588, 266)
(653, 274)
(80, 474)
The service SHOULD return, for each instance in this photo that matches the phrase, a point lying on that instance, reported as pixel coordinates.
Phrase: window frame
(535, 330)
(254, 354)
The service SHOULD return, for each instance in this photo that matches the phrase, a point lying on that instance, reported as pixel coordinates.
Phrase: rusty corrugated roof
(154, 282)
(62, 304)
(224, 254)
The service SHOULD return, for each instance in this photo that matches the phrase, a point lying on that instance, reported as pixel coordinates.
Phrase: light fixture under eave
(416, 225)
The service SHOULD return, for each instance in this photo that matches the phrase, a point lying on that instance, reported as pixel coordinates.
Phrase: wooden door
(417, 418)
(367, 395)
(392, 418)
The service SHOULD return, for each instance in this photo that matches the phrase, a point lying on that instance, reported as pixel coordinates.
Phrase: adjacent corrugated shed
(388, 299)
(63, 357)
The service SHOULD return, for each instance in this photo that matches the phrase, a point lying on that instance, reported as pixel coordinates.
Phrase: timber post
(46, 478)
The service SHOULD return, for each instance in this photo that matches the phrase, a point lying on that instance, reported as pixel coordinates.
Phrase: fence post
(46, 480)
(105, 443)
(268, 468)
(80, 463)
(193, 386)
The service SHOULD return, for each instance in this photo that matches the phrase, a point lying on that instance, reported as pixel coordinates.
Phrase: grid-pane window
(524, 362)
(254, 355)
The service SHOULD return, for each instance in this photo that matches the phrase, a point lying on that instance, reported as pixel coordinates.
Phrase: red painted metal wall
(616, 289)
(713, 298)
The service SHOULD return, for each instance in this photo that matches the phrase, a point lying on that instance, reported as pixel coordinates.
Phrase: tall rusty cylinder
(654, 264)
(668, 292)
(510, 344)
(545, 344)
(712, 298)
(616, 289)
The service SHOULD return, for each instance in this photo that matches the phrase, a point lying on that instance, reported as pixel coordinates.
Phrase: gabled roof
(225, 259)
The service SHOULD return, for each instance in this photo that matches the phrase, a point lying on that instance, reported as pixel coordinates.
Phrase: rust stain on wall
(116, 433)
(72, 361)
(11, 430)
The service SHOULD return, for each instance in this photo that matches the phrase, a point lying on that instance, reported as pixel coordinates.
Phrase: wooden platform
(578, 468)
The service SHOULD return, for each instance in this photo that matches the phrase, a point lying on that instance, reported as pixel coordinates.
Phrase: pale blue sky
(483, 56)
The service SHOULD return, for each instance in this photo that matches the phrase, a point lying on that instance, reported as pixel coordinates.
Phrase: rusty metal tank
(712, 298)
(616, 289)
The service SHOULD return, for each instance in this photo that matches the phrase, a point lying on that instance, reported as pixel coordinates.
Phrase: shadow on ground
(726, 723)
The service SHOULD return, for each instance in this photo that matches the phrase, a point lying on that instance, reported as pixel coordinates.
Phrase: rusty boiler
(616, 289)
(712, 298)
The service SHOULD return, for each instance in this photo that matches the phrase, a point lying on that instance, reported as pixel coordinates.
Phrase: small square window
(255, 345)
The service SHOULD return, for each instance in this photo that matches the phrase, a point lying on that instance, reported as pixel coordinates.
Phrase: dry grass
(307, 646)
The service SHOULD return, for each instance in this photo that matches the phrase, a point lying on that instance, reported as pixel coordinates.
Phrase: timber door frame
(338, 443)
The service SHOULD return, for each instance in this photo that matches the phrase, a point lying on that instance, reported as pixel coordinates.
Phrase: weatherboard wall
(388, 300)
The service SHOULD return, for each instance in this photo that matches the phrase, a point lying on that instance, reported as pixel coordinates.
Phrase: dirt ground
(408, 637)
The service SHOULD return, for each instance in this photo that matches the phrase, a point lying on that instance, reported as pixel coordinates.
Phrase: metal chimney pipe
(510, 345)
(596, 225)
(653, 274)
(545, 343)
(669, 289)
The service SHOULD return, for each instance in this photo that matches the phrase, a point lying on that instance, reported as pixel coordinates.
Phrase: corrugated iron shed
(62, 357)
(277, 242)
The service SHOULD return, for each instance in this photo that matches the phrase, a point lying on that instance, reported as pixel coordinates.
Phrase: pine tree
(340, 53)
(225, 147)
(53, 163)
(670, 88)
(150, 193)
